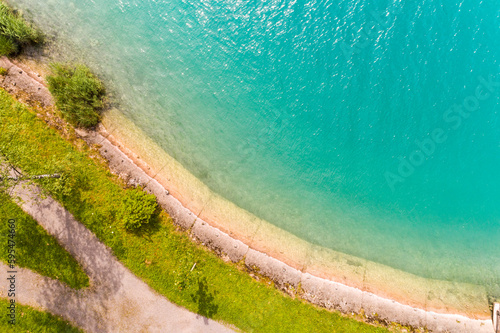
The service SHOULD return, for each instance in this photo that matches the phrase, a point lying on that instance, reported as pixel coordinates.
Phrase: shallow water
(338, 122)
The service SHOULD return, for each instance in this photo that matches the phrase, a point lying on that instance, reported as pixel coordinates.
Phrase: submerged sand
(289, 260)
(320, 275)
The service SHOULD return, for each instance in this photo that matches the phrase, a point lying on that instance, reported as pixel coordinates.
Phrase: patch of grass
(29, 319)
(78, 93)
(161, 255)
(15, 32)
(36, 249)
(3, 71)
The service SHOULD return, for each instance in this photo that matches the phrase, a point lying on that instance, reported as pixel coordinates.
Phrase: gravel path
(117, 300)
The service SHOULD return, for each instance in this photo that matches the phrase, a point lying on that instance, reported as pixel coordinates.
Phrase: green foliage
(161, 256)
(3, 71)
(7, 47)
(30, 320)
(13, 26)
(137, 209)
(79, 94)
(15, 32)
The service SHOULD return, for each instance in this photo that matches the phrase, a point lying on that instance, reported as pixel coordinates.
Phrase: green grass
(78, 93)
(159, 254)
(36, 249)
(31, 320)
(15, 32)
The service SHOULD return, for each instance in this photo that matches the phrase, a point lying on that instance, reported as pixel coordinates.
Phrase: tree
(137, 209)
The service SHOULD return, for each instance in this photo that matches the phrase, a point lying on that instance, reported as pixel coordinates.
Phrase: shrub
(7, 46)
(78, 93)
(137, 209)
(3, 71)
(15, 31)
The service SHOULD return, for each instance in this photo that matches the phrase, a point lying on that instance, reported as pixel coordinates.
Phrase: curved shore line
(319, 291)
(287, 273)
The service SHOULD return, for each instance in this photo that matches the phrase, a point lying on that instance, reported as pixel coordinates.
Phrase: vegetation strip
(157, 252)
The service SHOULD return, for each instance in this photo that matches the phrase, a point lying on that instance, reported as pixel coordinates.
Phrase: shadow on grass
(205, 300)
(104, 272)
(146, 231)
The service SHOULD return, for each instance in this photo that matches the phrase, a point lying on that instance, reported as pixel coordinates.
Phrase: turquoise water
(371, 129)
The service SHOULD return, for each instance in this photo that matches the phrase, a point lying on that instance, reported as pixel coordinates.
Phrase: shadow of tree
(205, 300)
(97, 260)
(149, 229)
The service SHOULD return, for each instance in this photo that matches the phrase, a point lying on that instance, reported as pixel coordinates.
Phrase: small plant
(137, 209)
(7, 46)
(78, 93)
(15, 32)
(3, 71)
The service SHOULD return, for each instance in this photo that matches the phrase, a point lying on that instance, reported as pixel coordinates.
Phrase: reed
(15, 31)
(78, 93)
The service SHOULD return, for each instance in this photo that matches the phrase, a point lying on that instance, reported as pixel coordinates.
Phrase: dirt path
(117, 300)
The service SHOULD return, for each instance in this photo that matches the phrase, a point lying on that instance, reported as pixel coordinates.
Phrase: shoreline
(298, 275)
(319, 291)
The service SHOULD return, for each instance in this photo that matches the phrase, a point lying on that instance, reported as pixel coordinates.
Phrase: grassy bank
(31, 320)
(36, 249)
(159, 253)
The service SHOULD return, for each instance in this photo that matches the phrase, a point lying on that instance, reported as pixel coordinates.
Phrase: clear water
(302, 112)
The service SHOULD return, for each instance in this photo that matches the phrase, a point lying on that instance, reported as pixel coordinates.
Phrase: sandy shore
(322, 276)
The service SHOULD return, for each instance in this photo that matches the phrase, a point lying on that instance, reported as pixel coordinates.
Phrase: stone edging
(321, 292)
(318, 291)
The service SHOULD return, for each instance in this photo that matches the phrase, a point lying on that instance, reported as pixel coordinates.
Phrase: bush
(78, 93)
(137, 209)
(15, 32)
(7, 46)
(3, 71)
